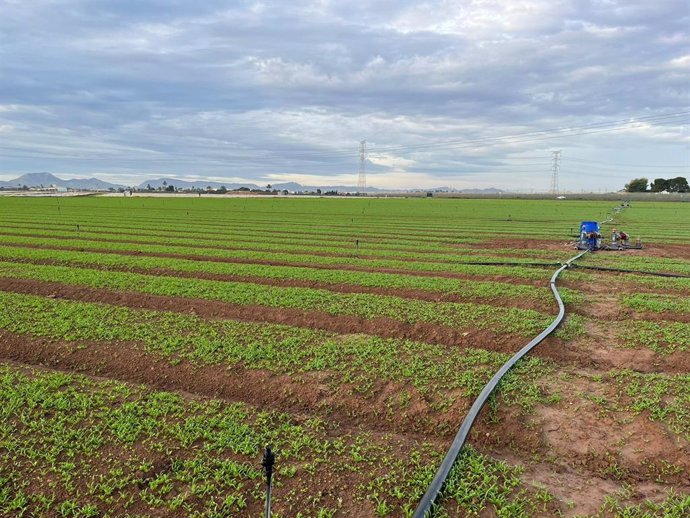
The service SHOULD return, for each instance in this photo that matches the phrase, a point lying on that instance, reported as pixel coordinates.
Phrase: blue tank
(589, 226)
(590, 238)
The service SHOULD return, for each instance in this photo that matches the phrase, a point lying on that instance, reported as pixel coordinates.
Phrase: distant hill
(48, 179)
(94, 184)
(33, 180)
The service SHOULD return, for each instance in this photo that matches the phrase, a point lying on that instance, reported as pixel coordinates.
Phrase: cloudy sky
(446, 93)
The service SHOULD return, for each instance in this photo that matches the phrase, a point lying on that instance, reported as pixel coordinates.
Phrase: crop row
(192, 227)
(358, 360)
(446, 217)
(95, 448)
(265, 245)
(204, 222)
(308, 237)
(453, 314)
(457, 287)
(316, 239)
(242, 238)
(659, 221)
(289, 258)
(424, 218)
(452, 220)
(102, 448)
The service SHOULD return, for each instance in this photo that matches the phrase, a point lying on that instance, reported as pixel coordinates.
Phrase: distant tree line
(678, 184)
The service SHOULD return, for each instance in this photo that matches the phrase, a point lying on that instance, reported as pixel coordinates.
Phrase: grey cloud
(271, 88)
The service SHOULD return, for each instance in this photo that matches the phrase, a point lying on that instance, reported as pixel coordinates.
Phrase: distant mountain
(34, 180)
(91, 184)
(94, 184)
(48, 179)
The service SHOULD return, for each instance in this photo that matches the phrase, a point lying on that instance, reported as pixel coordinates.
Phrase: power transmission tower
(555, 166)
(362, 180)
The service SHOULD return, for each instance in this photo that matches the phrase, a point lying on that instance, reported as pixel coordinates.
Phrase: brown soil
(616, 283)
(624, 449)
(344, 266)
(580, 453)
(662, 316)
(598, 452)
(522, 244)
(602, 302)
(216, 235)
(289, 491)
(604, 355)
(345, 255)
(575, 435)
(304, 395)
(343, 324)
(420, 233)
(603, 347)
(407, 293)
(671, 251)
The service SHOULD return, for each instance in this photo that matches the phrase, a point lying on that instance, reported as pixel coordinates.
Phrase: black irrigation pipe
(425, 506)
(641, 272)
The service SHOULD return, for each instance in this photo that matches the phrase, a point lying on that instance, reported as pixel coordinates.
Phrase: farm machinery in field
(591, 239)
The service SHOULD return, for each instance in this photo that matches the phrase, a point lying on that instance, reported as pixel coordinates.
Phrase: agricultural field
(150, 348)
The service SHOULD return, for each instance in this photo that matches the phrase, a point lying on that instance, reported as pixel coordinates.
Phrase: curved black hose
(426, 504)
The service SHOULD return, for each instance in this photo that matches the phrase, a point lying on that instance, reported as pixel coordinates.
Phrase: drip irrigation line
(641, 272)
(426, 505)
